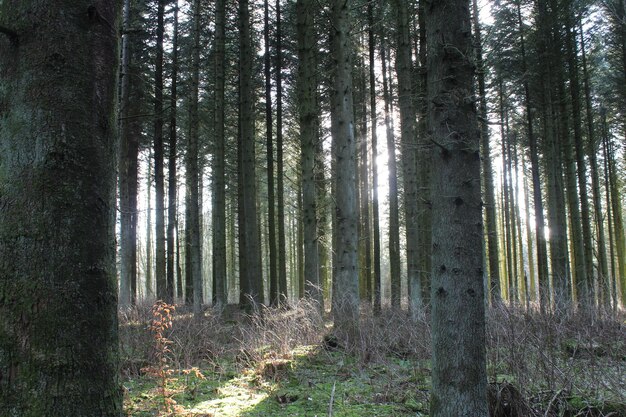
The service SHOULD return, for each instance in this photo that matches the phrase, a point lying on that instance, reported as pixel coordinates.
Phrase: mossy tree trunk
(58, 288)
(458, 308)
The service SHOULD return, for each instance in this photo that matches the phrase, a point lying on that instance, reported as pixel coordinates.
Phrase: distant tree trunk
(163, 287)
(404, 73)
(506, 195)
(220, 295)
(346, 278)
(542, 251)
(172, 213)
(149, 292)
(307, 104)
(250, 245)
(128, 177)
(584, 282)
(394, 215)
(280, 170)
(58, 286)
(269, 141)
(495, 293)
(374, 125)
(591, 149)
(193, 292)
(458, 308)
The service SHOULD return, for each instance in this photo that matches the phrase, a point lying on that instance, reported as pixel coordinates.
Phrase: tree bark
(58, 286)
(346, 278)
(457, 298)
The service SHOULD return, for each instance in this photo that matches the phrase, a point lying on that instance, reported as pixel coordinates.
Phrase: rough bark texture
(307, 105)
(346, 278)
(458, 312)
(58, 287)
(219, 185)
(404, 73)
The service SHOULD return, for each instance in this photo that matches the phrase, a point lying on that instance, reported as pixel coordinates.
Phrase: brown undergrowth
(538, 365)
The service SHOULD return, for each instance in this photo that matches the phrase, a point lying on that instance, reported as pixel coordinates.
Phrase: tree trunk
(128, 177)
(58, 286)
(280, 170)
(171, 171)
(220, 295)
(458, 308)
(307, 104)
(193, 292)
(163, 287)
(374, 125)
(404, 73)
(250, 246)
(495, 294)
(592, 148)
(269, 141)
(346, 278)
(394, 215)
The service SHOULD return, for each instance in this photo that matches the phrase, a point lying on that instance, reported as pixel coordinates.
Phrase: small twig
(551, 402)
(332, 399)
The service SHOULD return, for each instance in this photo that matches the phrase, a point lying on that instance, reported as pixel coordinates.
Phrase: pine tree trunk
(172, 180)
(458, 308)
(346, 278)
(495, 294)
(376, 300)
(307, 104)
(58, 286)
(409, 161)
(269, 142)
(128, 177)
(250, 246)
(220, 294)
(193, 250)
(280, 170)
(394, 214)
(163, 287)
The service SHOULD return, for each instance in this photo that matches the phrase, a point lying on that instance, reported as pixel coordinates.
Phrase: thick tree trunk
(58, 286)
(458, 308)
(346, 278)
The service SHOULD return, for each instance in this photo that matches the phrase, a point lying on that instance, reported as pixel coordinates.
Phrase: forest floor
(287, 362)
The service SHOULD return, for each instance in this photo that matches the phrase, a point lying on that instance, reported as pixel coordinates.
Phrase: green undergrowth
(308, 383)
